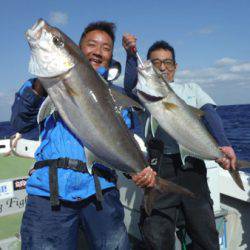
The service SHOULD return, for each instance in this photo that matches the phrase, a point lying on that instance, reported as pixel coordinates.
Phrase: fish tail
(243, 164)
(162, 186)
(165, 186)
(150, 196)
(237, 179)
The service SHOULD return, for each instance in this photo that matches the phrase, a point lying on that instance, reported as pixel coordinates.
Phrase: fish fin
(243, 164)
(185, 152)
(197, 111)
(141, 144)
(46, 109)
(154, 125)
(236, 177)
(150, 196)
(163, 186)
(122, 101)
(169, 105)
(91, 159)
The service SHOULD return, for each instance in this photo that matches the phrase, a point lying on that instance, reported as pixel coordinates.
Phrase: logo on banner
(6, 190)
(19, 184)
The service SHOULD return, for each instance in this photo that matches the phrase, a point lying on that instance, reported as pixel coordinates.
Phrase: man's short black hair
(105, 26)
(161, 45)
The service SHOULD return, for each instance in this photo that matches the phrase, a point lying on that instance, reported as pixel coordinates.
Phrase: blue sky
(211, 39)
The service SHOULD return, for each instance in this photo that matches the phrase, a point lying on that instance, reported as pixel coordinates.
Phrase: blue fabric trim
(26, 85)
(131, 75)
(214, 124)
(25, 109)
(103, 72)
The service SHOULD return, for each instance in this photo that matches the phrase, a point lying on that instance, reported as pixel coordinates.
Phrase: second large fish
(179, 120)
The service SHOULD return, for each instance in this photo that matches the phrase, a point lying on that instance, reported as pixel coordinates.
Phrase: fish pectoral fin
(169, 105)
(197, 111)
(122, 101)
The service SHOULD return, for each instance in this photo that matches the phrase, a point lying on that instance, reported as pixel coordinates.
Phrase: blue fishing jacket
(56, 141)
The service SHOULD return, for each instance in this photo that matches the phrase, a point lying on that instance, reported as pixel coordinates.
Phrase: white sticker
(6, 190)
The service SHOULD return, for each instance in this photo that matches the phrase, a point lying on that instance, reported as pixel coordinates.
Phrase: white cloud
(229, 84)
(185, 73)
(58, 18)
(242, 67)
(225, 61)
(206, 30)
(203, 31)
(6, 100)
(245, 84)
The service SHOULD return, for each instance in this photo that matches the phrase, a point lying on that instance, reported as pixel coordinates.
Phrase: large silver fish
(86, 103)
(179, 120)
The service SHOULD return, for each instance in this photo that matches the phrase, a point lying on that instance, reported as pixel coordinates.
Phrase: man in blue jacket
(159, 228)
(58, 202)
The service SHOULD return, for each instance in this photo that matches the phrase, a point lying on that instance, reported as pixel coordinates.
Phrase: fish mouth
(34, 33)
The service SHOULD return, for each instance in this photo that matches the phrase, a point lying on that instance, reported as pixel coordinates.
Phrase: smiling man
(159, 228)
(97, 44)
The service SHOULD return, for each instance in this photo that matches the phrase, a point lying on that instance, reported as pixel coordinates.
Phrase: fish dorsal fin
(122, 101)
(196, 111)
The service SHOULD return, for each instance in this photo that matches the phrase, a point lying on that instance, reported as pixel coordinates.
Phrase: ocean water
(236, 120)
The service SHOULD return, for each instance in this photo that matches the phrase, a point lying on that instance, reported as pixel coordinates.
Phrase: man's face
(97, 46)
(163, 60)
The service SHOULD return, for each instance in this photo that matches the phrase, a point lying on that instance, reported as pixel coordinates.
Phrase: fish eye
(57, 41)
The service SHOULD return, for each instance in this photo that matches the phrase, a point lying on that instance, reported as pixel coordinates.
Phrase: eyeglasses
(168, 63)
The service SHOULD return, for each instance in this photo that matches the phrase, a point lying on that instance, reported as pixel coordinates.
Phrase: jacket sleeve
(131, 75)
(214, 124)
(25, 108)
